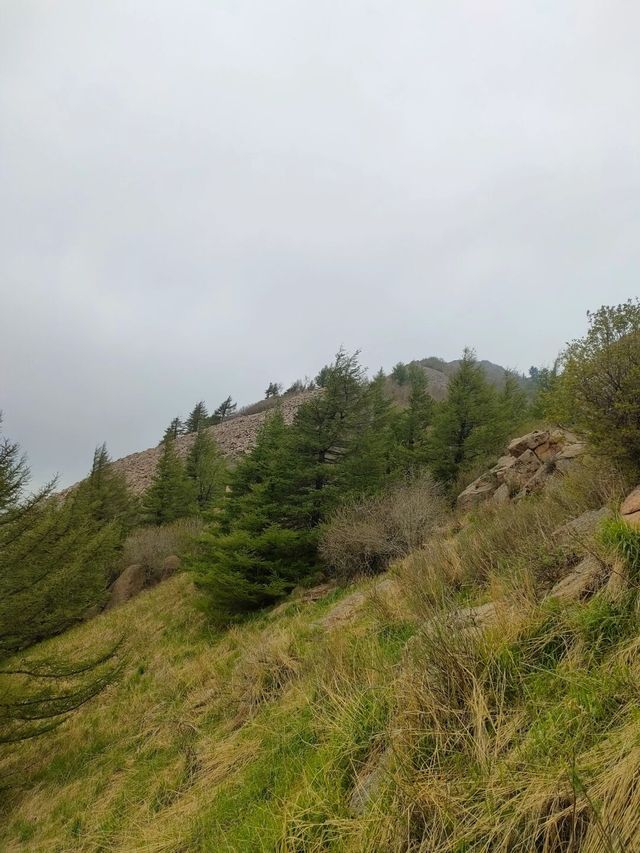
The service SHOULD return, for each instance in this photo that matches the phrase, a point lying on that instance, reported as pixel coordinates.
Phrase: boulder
(633, 520)
(478, 492)
(631, 503)
(170, 566)
(572, 451)
(528, 442)
(128, 584)
(572, 536)
(502, 494)
(583, 581)
(519, 474)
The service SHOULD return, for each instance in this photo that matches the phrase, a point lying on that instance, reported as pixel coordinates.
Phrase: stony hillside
(237, 435)
(234, 437)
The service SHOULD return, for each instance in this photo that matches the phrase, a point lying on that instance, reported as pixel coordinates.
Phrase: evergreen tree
(54, 564)
(174, 429)
(273, 390)
(206, 469)
(197, 419)
(225, 409)
(411, 430)
(170, 495)
(401, 373)
(105, 492)
(369, 463)
(262, 544)
(464, 426)
(513, 407)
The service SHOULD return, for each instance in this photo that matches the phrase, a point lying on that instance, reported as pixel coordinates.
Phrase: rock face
(530, 462)
(630, 509)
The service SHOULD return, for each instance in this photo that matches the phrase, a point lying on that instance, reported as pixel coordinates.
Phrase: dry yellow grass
(406, 727)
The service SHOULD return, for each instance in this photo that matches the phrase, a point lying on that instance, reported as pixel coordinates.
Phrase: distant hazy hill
(439, 372)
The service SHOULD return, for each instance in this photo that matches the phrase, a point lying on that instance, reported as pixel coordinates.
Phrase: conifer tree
(197, 419)
(513, 407)
(225, 409)
(105, 492)
(170, 495)
(262, 544)
(54, 563)
(464, 431)
(273, 390)
(368, 463)
(412, 451)
(174, 429)
(206, 469)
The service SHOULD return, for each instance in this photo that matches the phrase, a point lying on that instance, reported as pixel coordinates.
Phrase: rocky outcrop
(630, 509)
(530, 462)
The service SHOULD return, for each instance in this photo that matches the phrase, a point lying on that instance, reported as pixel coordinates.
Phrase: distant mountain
(439, 372)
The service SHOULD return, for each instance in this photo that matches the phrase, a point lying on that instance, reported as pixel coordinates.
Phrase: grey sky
(199, 197)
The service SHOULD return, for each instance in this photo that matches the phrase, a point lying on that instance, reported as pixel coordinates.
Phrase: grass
(400, 727)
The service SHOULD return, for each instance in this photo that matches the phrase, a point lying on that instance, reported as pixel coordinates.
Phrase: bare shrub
(150, 546)
(365, 536)
(261, 406)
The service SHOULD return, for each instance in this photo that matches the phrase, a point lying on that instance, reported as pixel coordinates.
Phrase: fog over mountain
(200, 198)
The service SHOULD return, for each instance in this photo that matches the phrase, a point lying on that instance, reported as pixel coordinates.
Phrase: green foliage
(624, 541)
(273, 390)
(412, 424)
(196, 420)
(466, 427)
(174, 429)
(170, 495)
(264, 541)
(55, 558)
(225, 409)
(206, 469)
(401, 373)
(105, 493)
(598, 391)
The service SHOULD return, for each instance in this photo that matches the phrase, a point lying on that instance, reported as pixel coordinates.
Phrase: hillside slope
(234, 437)
(480, 696)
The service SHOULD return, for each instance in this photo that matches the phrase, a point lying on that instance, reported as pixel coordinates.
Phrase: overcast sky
(199, 197)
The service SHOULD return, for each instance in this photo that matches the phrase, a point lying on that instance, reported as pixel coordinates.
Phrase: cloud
(199, 198)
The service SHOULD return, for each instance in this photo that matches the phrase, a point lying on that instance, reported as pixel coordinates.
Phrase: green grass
(388, 731)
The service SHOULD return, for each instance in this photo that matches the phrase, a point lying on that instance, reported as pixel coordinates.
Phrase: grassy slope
(393, 730)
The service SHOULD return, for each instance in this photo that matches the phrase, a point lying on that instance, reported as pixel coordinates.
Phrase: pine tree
(411, 429)
(206, 469)
(273, 390)
(54, 563)
(225, 409)
(464, 431)
(400, 373)
(197, 419)
(513, 407)
(170, 495)
(262, 544)
(368, 464)
(174, 429)
(105, 492)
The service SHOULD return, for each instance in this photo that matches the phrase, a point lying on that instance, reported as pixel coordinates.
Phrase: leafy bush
(365, 536)
(599, 389)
